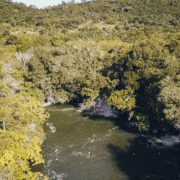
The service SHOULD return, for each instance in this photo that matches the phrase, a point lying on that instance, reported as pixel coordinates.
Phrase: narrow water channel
(81, 148)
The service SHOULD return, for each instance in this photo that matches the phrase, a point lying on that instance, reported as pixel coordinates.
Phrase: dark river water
(79, 147)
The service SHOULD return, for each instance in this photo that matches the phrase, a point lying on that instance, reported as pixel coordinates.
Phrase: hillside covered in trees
(126, 51)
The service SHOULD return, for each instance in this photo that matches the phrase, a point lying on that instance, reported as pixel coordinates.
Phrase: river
(86, 147)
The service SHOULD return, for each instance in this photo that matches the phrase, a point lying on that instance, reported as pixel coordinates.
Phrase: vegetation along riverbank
(125, 51)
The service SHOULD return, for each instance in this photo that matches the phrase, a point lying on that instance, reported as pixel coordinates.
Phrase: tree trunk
(4, 127)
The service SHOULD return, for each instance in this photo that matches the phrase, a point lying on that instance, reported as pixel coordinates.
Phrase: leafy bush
(5, 33)
(110, 21)
(11, 39)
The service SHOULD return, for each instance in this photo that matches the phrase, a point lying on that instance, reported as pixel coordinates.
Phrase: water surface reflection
(92, 147)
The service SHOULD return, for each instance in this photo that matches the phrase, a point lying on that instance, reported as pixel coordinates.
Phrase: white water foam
(84, 154)
(97, 138)
(68, 109)
(166, 141)
(57, 176)
(48, 164)
(53, 156)
(83, 107)
(46, 104)
(94, 138)
(51, 127)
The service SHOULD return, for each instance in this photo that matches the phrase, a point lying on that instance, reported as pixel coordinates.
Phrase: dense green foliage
(126, 51)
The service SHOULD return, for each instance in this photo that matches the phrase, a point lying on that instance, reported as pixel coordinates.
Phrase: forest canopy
(126, 51)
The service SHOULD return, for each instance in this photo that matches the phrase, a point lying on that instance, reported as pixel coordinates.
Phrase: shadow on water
(102, 111)
(117, 119)
(144, 161)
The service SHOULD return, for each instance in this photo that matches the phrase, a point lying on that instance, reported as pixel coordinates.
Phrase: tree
(24, 58)
(33, 6)
(123, 100)
(169, 96)
(63, 2)
(83, 1)
(72, 2)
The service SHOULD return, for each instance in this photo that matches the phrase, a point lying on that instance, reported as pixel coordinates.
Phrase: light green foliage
(123, 100)
(116, 46)
(110, 21)
(150, 57)
(21, 118)
(31, 89)
(130, 78)
(20, 109)
(172, 66)
(18, 112)
(169, 96)
(23, 42)
(15, 154)
(142, 123)
(69, 72)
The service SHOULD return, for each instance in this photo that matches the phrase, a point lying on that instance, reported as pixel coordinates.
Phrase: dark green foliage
(5, 33)
(11, 40)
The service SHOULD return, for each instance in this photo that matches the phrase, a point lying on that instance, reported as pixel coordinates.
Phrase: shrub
(11, 39)
(110, 21)
(5, 33)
